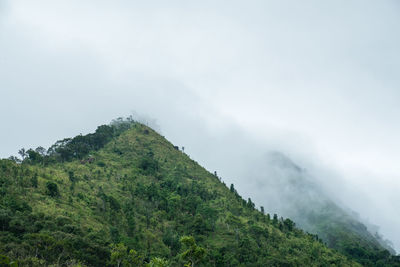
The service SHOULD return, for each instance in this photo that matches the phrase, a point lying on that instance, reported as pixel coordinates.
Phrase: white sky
(317, 79)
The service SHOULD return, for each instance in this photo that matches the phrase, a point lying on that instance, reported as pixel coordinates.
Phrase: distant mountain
(299, 196)
(125, 196)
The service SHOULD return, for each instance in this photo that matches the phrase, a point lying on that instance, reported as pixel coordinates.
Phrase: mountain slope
(126, 196)
(299, 197)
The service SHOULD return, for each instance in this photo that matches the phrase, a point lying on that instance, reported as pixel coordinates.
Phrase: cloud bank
(229, 81)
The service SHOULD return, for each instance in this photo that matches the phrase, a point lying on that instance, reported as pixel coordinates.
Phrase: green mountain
(125, 196)
(300, 197)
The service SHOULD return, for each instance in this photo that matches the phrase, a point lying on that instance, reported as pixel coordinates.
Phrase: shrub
(52, 189)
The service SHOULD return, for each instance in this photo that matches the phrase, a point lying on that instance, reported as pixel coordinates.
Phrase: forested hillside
(125, 196)
(300, 196)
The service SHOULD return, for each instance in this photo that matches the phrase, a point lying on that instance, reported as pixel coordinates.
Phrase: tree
(289, 224)
(119, 252)
(15, 159)
(250, 203)
(148, 164)
(41, 150)
(34, 156)
(275, 219)
(5, 261)
(232, 188)
(262, 210)
(52, 189)
(158, 262)
(171, 239)
(22, 153)
(199, 224)
(34, 180)
(71, 176)
(193, 254)
(134, 259)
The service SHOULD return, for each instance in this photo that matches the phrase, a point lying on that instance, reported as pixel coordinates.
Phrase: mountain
(125, 196)
(299, 196)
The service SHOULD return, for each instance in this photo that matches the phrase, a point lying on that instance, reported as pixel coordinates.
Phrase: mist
(315, 81)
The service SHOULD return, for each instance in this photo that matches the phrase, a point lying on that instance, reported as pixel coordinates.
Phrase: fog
(229, 81)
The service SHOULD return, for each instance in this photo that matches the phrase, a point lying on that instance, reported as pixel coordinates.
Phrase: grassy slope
(142, 192)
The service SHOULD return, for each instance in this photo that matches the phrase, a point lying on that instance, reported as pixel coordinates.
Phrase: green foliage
(119, 252)
(158, 262)
(148, 164)
(193, 253)
(6, 262)
(34, 157)
(146, 205)
(52, 189)
(34, 180)
(262, 210)
(345, 234)
(134, 259)
(275, 220)
(79, 147)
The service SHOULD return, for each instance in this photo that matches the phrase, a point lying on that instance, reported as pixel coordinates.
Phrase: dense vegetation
(125, 196)
(78, 147)
(304, 201)
(341, 231)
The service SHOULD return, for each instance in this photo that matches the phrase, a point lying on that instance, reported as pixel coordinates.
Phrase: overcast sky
(318, 80)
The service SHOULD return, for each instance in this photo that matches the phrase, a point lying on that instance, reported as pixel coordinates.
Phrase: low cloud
(315, 81)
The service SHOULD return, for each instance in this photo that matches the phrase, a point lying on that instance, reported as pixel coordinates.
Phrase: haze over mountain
(317, 81)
